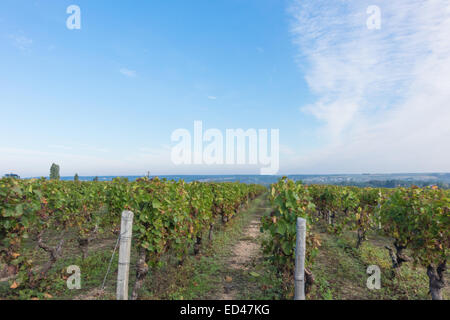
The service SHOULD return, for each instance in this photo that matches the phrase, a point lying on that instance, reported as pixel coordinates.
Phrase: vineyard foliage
(417, 219)
(168, 215)
(290, 200)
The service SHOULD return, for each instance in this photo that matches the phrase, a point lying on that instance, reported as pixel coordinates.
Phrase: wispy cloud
(61, 147)
(92, 148)
(21, 42)
(212, 97)
(17, 160)
(80, 147)
(128, 73)
(287, 150)
(382, 95)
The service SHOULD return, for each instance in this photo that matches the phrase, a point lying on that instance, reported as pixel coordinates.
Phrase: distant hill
(360, 180)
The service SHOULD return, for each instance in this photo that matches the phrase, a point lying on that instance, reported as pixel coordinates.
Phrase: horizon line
(250, 174)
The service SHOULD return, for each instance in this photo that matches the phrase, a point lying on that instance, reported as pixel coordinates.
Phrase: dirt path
(239, 266)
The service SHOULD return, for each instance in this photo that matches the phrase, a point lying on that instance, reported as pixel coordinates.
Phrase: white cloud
(128, 73)
(212, 98)
(383, 96)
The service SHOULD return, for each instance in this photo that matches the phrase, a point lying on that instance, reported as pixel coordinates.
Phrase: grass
(203, 276)
(198, 278)
(340, 272)
(268, 285)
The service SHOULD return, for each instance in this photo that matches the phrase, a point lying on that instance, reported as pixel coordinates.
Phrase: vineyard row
(168, 216)
(416, 219)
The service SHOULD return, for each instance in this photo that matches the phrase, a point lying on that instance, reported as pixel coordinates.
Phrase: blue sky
(104, 100)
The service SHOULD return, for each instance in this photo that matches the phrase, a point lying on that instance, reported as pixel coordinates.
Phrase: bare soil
(241, 262)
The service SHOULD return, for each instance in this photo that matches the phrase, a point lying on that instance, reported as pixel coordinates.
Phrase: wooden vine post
(126, 229)
(300, 249)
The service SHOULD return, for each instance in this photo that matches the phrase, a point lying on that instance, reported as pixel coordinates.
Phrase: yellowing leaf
(14, 285)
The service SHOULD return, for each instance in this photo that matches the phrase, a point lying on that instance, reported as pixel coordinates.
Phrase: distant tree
(95, 179)
(76, 177)
(54, 172)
